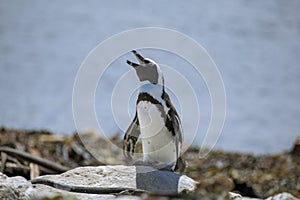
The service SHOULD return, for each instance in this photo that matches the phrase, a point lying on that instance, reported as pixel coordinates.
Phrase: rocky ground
(217, 174)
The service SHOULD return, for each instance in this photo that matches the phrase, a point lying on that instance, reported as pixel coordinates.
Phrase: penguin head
(147, 69)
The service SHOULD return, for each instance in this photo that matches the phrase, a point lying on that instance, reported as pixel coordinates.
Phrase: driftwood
(34, 162)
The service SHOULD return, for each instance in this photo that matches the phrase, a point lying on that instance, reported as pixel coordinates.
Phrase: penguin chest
(151, 118)
(157, 141)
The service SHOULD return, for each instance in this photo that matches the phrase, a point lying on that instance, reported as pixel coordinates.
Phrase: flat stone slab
(106, 179)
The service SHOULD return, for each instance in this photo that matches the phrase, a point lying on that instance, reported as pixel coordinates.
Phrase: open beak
(138, 57)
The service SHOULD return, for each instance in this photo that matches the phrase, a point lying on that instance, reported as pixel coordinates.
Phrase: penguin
(156, 120)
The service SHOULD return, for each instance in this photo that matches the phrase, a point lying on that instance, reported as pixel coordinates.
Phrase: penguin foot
(140, 163)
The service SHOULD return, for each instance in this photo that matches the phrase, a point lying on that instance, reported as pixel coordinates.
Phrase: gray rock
(46, 192)
(102, 177)
(14, 188)
(281, 196)
(121, 177)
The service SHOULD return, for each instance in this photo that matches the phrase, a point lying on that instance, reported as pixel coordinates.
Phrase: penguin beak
(138, 57)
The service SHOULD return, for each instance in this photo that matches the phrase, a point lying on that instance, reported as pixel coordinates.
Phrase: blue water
(255, 44)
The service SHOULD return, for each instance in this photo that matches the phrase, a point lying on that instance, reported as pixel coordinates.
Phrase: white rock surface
(14, 188)
(46, 192)
(119, 176)
(281, 196)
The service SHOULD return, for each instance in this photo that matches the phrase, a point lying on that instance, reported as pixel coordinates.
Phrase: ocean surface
(255, 44)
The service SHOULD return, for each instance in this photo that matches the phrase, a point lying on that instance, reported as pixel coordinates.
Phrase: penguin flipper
(131, 136)
(178, 137)
(180, 163)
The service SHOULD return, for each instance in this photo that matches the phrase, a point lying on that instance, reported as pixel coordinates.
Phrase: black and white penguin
(156, 120)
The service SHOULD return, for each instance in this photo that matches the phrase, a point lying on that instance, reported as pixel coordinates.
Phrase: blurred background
(255, 44)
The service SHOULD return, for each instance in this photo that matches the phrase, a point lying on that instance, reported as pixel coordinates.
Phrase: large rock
(91, 182)
(105, 178)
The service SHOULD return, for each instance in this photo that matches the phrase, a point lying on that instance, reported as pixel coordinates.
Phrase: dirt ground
(250, 175)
